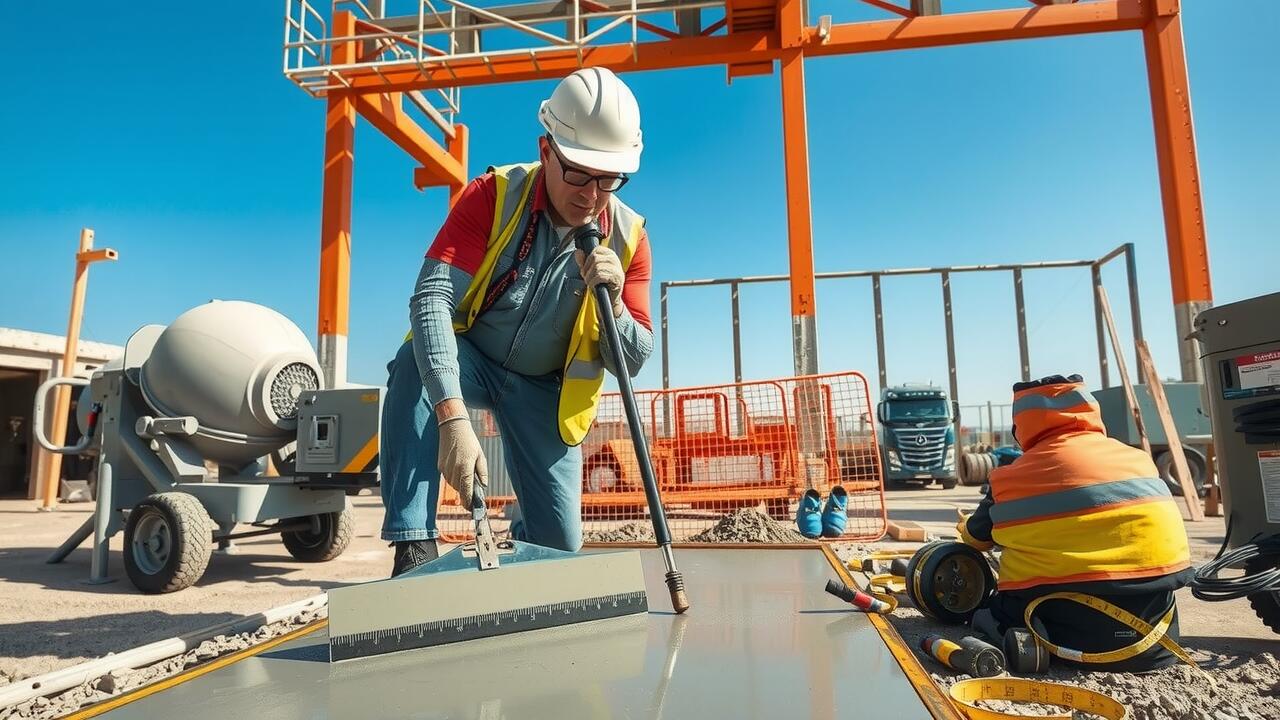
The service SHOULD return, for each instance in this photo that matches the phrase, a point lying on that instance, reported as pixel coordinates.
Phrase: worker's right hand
(461, 460)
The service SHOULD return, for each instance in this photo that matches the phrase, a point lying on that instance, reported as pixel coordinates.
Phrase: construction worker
(1079, 512)
(501, 319)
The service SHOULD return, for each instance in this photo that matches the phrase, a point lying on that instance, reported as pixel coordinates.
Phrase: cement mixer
(216, 422)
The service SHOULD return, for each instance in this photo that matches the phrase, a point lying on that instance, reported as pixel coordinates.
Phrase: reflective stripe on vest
(1104, 531)
(1125, 542)
(1065, 401)
(1078, 499)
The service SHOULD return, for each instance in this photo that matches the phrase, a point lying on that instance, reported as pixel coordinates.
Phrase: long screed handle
(586, 239)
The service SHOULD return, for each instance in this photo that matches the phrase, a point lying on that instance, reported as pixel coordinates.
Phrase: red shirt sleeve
(635, 290)
(464, 236)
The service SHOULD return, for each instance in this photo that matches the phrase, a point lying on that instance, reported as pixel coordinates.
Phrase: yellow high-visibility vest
(583, 368)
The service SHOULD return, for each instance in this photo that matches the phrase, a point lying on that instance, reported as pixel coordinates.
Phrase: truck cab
(917, 435)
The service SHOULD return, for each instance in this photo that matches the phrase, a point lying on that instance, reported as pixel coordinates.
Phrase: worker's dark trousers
(545, 473)
(1072, 625)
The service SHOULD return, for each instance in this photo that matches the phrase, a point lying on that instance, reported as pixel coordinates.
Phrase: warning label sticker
(1261, 370)
(1269, 467)
(1247, 376)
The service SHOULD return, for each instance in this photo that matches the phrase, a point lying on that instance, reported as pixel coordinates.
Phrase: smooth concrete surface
(51, 619)
(762, 640)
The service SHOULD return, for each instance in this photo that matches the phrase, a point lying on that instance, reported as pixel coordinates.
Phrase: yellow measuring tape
(1151, 635)
(883, 587)
(856, 564)
(1019, 690)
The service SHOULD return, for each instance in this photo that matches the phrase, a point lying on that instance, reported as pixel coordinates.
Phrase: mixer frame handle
(37, 420)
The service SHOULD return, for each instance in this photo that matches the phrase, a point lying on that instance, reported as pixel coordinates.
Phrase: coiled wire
(1208, 586)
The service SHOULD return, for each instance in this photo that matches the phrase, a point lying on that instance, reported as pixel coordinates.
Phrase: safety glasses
(578, 177)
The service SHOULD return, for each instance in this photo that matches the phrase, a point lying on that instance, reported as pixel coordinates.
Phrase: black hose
(1208, 586)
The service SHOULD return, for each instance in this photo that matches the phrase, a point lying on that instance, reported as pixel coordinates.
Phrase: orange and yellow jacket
(1078, 506)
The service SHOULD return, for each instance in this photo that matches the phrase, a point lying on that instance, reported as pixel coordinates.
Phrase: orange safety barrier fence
(715, 449)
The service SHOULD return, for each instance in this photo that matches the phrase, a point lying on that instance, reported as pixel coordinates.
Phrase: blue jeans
(545, 473)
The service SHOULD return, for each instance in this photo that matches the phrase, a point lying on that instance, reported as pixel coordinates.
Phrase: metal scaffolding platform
(763, 640)
(444, 33)
(384, 59)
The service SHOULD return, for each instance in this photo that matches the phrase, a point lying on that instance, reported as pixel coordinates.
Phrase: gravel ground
(51, 619)
(1245, 681)
(121, 681)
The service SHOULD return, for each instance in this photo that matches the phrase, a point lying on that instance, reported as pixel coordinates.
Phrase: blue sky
(201, 164)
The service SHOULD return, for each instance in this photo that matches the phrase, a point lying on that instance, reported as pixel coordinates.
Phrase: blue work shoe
(833, 515)
(809, 514)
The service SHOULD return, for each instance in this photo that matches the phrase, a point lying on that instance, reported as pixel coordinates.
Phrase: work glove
(962, 529)
(602, 267)
(461, 460)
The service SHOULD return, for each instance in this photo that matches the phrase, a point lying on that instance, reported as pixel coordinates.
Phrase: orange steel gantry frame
(753, 36)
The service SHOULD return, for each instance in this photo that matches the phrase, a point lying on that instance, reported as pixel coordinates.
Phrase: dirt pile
(748, 525)
(638, 531)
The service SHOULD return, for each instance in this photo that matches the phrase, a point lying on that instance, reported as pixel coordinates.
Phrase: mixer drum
(238, 368)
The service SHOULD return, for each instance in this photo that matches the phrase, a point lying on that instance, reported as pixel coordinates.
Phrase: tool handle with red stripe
(857, 598)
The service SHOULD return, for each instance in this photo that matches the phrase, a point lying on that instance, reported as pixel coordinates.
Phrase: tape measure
(1151, 635)
(882, 586)
(886, 588)
(882, 555)
(1019, 690)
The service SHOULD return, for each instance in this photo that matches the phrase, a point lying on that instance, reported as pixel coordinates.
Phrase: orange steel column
(457, 147)
(335, 222)
(1179, 176)
(795, 148)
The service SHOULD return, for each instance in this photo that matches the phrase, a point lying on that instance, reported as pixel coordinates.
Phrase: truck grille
(918, 454)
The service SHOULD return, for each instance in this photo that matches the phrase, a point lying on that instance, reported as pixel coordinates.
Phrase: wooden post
(1131, 400)
(1156, 388)
(1212, 498)
(85, 257)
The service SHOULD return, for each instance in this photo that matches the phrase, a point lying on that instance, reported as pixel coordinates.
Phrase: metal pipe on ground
(59, 681)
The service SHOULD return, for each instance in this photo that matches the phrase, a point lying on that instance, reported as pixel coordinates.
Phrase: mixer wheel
(166, 542)
(336, 529)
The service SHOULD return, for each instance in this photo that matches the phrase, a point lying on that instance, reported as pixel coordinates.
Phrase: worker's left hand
(962, 529)
(602, 267)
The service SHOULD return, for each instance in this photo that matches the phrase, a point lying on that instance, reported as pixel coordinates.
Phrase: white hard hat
(595, 121)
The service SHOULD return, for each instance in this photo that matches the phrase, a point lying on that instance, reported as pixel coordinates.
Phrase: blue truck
(917, 435)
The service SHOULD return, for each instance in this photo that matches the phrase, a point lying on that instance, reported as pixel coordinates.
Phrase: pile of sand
(748, 525)
(638, 531)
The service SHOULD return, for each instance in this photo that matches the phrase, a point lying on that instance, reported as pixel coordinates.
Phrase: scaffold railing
(440, 32)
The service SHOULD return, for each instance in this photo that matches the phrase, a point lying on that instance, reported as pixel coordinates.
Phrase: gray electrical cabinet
(338, 434)
(1240, 356)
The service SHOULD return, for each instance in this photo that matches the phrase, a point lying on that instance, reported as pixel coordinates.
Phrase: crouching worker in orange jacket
(1085, 514)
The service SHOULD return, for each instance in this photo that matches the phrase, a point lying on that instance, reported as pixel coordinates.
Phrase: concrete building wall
(26, 360)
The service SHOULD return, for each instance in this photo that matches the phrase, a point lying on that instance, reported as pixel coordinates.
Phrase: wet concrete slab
(762, 640)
